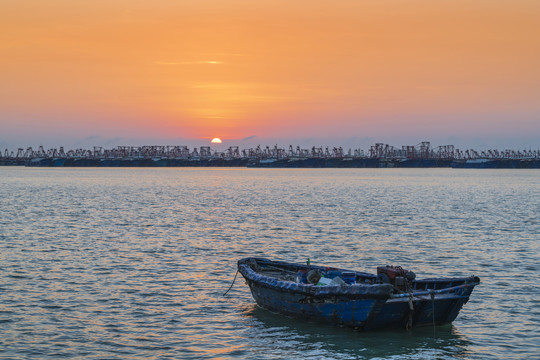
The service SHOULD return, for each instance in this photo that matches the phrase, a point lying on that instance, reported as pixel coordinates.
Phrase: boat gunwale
(357, 290)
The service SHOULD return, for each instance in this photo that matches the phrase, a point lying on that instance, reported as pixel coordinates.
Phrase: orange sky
(326, 70)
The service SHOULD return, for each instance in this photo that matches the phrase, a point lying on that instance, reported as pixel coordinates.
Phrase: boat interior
(402, 280)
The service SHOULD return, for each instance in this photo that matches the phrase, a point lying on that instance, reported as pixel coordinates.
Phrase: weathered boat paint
(364, 305)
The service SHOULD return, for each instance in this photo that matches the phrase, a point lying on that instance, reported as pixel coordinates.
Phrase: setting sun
(216, 141)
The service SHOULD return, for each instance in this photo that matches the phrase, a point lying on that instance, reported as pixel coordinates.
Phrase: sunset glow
(179, 70)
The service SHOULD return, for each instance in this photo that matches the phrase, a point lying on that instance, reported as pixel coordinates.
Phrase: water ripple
(132, 263)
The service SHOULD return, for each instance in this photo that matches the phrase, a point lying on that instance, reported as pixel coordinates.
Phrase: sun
(216, 141)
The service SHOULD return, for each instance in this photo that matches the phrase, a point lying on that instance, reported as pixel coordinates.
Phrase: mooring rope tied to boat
(433, 309)
(409, 324)
(230, 287)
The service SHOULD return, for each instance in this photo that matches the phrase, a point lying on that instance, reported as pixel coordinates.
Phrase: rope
(409, 324)
(433, 309)
(230, 287)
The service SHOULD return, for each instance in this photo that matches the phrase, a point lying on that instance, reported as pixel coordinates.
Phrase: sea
(133, 263)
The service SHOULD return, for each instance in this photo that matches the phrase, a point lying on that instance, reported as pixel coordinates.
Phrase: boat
(392, 298)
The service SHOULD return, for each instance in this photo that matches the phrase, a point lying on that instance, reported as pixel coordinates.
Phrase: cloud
(113, 141)
(200, 62)
(249, 138)
(227, 54)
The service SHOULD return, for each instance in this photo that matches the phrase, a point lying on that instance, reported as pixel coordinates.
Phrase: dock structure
(378, 156)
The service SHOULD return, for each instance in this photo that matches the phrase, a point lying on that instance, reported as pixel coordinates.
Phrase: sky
(318, 72)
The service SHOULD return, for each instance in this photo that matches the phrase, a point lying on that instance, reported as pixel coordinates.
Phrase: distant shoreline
(379, 156)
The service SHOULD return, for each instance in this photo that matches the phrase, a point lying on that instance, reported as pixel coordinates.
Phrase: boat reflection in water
(285, 338)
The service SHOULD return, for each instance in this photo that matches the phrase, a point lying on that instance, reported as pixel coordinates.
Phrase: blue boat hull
(344, 311)
(424, 313)
(365, 304)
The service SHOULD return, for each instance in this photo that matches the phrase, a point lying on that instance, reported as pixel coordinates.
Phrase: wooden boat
(391, 299)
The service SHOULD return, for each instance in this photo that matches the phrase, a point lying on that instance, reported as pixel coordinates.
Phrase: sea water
(132, 263)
